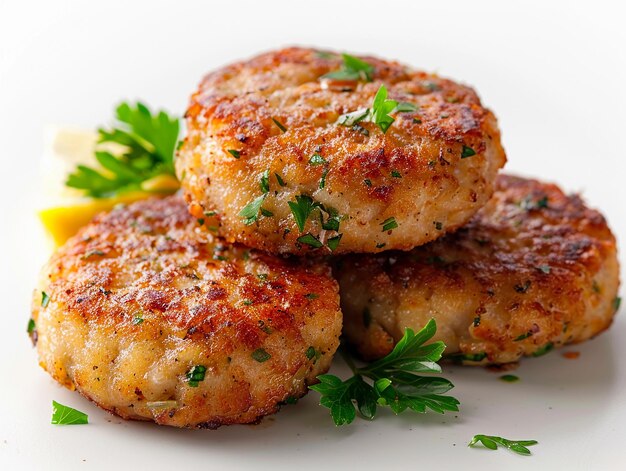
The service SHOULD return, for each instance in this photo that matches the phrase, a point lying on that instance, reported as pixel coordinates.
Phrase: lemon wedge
(63, 210)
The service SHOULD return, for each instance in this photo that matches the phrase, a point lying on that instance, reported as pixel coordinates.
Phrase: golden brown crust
(414, 172)
(534, 268)
(143, 294)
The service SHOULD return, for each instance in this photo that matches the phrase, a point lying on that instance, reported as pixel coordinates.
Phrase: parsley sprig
(353, 69)
(379, 113)
(391, 381)
(492, 443)
(148, 142)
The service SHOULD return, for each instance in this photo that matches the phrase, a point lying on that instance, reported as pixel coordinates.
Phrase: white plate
(553, 72)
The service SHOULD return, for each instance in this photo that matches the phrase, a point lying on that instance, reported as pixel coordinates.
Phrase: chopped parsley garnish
(261, 355)
(438, 225)
(311, 353)
(396, 174)
(523, 336)
(310, 239)
(379, 113)
(195, 375)
(333, 242)
(545, 269)
(391, 381)
(138, 319)
(323, 179)
(264, 184)
(368, 182)
(65, 415)
(301, 209)
(492, 443)
(353, 69)
(235, 153)
(380, 245)
(509, 378)
(317, 159)
(279, 179)
(389, 224)
(248, 302)
(332, 223)
(149, 144)
(280, 125)
(311, 296)
(250, 212)
(543, 349)
(45, 299)
(266, 213)
(617, 303)
(31, 327)
(467, 152)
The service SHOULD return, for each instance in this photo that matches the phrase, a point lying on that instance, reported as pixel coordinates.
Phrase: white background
(554, 73)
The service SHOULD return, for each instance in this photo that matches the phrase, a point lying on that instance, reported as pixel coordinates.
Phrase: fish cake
(268, 164)
(533, 270)
(153, 318)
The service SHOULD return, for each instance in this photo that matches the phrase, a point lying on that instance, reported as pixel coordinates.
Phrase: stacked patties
(219, 310)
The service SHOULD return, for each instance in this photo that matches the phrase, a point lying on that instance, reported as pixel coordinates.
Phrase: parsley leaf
(393, 382)
(548, 347)
(64, 415)
(261, 355)
(279, 179)
(467, 152)
(353, 69)
(31, 327)
(389, 224)
(301, 209)
(317, 159)
(333, 242)
(45, 299)
(492, 443)
(195, 375)
(280, 125)
(310, 239)
(379, 113)
(322, 183)
(149, 143)
(265, 182)
(250, 212)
